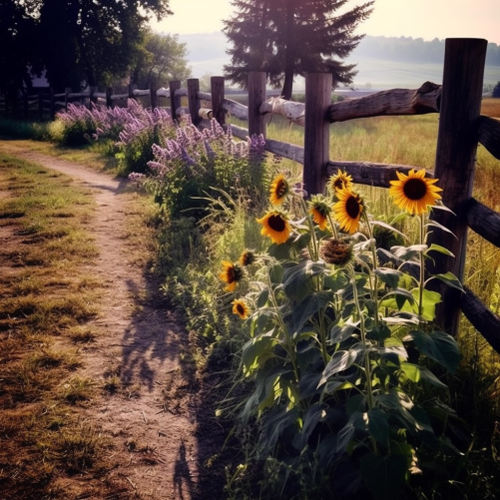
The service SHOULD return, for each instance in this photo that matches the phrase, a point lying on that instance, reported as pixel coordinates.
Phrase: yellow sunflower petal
(347, 210)
(240, 308)
(414, 192)
(276, 226)
(279, 190)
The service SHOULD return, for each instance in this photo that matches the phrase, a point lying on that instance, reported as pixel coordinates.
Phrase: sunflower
(413, 192)
(276, 226)
(279, 189)
(335, 251)
(341, 180)
(319, 211)
(231, 274)
(240, 308)
(348, 210)
(246, 258)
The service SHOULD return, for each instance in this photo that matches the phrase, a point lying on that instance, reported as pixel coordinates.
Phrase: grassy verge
(45, 306)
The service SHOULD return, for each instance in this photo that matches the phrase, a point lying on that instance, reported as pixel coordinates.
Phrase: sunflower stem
(367, 365)
(314, 240)
(421, 283)
(290, 348)
(374, 283)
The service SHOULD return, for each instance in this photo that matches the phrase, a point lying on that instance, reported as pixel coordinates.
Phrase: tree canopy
(76, 41)
(286, 38)
(162, 59)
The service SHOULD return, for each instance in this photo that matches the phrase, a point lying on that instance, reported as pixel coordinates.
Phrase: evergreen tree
(496, 90)
(286, 38)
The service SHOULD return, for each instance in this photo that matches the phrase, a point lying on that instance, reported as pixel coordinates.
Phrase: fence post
(67, 92)
(153, 96)
(92, 97)
(256, 96)
(317, 131)
(217, 89)
(52, 104)
(193, 101)
(175, 100)
(109, 93)
(455, 162)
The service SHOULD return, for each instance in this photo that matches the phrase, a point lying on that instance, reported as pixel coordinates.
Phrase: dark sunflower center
(240, 309)
(276, 223)
(281, 189)
(415, 189)
(321, 211)
(231, 275)
(352, 207)
(338, 184)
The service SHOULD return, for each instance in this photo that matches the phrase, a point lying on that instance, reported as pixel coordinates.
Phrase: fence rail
(461, 128)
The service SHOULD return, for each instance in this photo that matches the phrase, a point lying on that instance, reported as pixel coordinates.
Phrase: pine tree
(286, 38)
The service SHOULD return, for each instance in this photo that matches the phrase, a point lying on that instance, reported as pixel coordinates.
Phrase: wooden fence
(461, 128)
(44, 104)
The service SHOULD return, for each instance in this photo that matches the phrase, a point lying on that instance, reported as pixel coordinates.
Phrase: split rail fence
(461, 129)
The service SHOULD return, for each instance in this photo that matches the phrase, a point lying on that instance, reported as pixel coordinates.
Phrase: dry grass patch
(491, 107)
(43, 294)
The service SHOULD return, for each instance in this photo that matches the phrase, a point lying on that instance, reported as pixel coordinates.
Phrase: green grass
(44, 296)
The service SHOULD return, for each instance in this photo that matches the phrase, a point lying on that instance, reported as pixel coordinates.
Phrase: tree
(496, 90)
(161, 59)
(286, 38)
(16, 28)
(79, 42)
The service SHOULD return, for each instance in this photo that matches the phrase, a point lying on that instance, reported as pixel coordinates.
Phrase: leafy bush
(78, 125)
(196, 163)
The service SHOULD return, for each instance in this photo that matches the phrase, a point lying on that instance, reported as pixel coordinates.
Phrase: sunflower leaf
(438, 248)
(450, 279)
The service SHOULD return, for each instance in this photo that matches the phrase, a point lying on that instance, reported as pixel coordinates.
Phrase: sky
(427, 19)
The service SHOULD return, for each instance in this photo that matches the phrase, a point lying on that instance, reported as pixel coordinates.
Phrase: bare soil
(148, 413)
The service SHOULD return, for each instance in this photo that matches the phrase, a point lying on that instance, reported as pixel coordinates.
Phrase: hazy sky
(416, 18)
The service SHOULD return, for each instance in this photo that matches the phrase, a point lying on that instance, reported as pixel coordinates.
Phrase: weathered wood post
(109, 100)
(131, 89)
(92, 97)
(67, 92)
(175, 100)
(455, 162)
(52, 104)
(317, 131)
(217, 90)
(193, 87)
(256, 96)
(153, 96)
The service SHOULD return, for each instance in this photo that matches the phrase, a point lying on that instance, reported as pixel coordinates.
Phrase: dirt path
(136, 352)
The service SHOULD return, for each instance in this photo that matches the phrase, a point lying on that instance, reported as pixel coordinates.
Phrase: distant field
(384, 74)
(491, 107)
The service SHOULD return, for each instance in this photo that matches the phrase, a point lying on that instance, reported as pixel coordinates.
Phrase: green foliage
(343, 357)
(80, 41)
(197, 164)
(265, 35)
(161, 60)
(496, 90)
